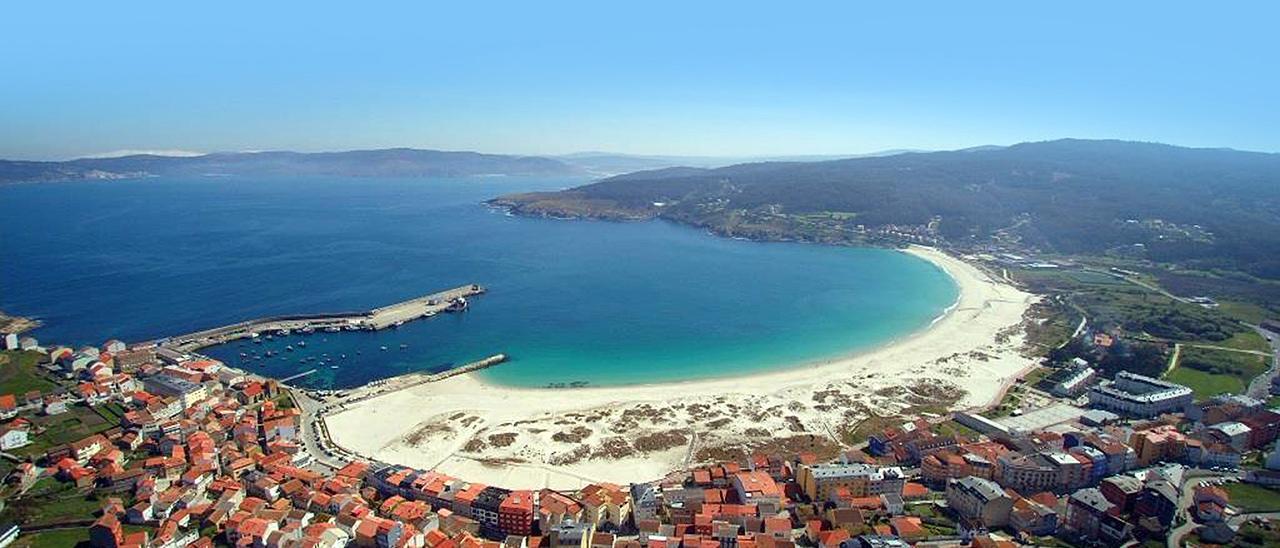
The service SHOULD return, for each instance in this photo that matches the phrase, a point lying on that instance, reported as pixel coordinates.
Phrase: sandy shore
(528, 438)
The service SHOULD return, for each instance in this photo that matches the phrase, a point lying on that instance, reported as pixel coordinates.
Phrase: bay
(596, 303)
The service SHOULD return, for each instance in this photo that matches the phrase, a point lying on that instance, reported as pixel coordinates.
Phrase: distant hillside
(1211, 207)
(397, 162)
(605, 164)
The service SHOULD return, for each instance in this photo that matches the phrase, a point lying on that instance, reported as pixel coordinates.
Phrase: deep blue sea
(570, 301)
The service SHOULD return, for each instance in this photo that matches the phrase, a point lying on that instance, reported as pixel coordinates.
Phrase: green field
(1064, 277)
(1112, 302)
(1245, 340)
(1206, 385)
(19, 373)
(1211, 372)
(59, 538)
(1253, 498)
(51, 502)
(77, 423)
(1245, 311)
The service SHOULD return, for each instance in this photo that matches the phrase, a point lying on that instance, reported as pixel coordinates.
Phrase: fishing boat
(403, 346)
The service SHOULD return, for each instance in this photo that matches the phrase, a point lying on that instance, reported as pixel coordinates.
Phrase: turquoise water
(570, 301)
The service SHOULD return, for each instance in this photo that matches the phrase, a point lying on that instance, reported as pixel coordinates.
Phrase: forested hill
(396, 162)
(1211, 207)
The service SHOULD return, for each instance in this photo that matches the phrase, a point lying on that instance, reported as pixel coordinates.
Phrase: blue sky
(733, 78)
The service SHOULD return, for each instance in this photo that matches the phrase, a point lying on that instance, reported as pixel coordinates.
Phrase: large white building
(188, 393)
(1139, 395)
(1074, 384)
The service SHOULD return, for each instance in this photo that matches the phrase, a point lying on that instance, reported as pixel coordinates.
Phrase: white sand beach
(565, 438)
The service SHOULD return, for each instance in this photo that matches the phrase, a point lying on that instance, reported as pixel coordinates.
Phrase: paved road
(312, 439)
(1191, 478)
(1261, 385)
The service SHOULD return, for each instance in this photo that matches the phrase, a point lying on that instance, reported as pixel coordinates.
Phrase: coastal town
(640, 275)
(143, 445)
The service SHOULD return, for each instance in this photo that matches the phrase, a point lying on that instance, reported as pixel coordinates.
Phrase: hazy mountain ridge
(1214, 207)
(396, 162)
(606, 164)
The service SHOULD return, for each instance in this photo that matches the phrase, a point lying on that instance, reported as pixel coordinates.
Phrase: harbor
(390, 316)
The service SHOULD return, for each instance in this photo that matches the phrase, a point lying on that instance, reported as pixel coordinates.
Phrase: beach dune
(566, 438)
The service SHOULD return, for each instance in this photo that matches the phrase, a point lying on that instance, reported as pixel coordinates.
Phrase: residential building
(12, 437)
(862, 480)
(515, 513)
(1090, 515)
(1033, 518)
(1075, 383)
(757, 487)
(980, 501)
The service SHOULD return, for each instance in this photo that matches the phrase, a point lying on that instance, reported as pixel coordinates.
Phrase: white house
(10, 341)
(12, 438)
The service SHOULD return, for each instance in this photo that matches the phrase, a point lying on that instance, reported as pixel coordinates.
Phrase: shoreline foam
(559, 432)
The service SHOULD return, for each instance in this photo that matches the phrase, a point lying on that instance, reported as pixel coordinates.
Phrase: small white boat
(384, 349)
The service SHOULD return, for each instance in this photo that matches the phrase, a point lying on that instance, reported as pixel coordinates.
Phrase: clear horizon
(728, 80)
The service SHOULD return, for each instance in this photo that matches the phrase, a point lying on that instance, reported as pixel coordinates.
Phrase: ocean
(592, 303)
